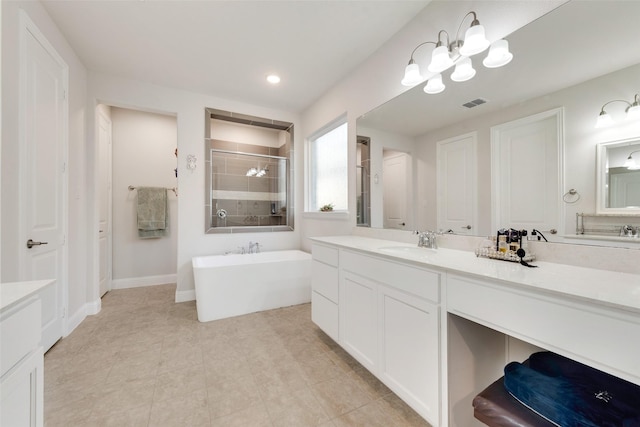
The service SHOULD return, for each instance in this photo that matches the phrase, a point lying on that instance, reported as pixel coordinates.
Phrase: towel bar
(174, 189)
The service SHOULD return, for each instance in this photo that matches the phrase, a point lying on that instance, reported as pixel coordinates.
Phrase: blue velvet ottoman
(555, 390)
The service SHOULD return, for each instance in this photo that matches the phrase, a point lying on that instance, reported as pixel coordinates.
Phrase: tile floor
(146, 361)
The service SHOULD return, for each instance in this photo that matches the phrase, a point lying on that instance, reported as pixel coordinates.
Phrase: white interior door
(104, 230)
(624, 190)
(43, 133)
(395, 186)
(526, 172)
(456, 183)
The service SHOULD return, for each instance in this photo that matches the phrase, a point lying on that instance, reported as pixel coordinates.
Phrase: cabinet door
(409, 350)
(324, 313)
(21, 393)
(358, 316)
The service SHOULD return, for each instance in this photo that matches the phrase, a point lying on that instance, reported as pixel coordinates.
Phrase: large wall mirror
(248, 173)
(559, 62)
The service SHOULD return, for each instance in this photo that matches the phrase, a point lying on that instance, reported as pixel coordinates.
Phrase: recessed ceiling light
(273, 79)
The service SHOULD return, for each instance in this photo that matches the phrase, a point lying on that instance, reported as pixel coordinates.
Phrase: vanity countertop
(14, 292)
(621, 290)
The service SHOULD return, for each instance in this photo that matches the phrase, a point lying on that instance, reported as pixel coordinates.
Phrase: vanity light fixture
(630, 163)
(632, 112)
(457, 53)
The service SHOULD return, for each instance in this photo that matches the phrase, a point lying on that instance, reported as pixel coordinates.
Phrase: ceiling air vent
(475, 103)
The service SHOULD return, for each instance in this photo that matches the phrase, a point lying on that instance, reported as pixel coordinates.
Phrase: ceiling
(227, 48)
(576, 42)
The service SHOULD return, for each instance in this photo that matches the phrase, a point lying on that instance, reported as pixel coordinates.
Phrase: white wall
(377, 80)
(79, 194)
(143, 156)
(189, 109)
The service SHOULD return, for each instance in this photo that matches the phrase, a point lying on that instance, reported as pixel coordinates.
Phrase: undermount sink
(407, 250)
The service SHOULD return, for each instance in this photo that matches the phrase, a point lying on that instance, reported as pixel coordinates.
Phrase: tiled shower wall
(229, 174)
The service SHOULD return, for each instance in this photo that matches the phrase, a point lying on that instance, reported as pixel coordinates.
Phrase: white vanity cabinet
(324, 289)
(389, 321)
(21, 364)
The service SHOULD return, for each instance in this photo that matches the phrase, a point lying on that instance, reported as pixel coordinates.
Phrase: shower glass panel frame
(248, 173)
(247, 191)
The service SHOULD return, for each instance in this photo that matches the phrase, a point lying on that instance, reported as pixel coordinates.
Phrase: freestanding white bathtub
(232, 285)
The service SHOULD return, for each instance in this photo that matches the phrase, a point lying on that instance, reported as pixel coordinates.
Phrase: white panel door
(104, 231)
(456, 183)
(395, 186)
(43, 132)
(526, 172)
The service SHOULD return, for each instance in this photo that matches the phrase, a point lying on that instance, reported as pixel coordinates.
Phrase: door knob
(468, 227)
(402, 224)
(31, 243)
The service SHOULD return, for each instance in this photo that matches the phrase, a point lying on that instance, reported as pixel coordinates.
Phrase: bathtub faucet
(254, 248)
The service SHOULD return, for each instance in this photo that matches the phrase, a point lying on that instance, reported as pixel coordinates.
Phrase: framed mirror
(618, 175)
(248, 173)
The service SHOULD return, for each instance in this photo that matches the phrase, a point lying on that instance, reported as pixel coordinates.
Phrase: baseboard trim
(76, 318)
(94, 307)
(138, 282)
(184, 296)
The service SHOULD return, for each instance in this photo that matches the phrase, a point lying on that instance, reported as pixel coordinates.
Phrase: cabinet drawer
(596, 336)
(325, 254)
(20, 332)
(324, 313)
(324, 280)
(417, 281)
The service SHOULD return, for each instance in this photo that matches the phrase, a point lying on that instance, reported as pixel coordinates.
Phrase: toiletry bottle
(502, 244)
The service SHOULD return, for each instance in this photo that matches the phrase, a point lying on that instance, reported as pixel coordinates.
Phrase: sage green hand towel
(153, 212)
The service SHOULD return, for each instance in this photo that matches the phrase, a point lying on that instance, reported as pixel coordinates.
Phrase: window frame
(308, 212)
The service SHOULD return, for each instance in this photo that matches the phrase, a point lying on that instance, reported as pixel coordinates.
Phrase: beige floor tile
(124, 396)
(296, 409)
(178, 383)
(253, 416)
(406, 416)
(189, 410)
(144, 360)
(73, 413)
(179, 357)
(369, 383)
(221, 370)
(136, 366)
(319, 368)
(366, 416)
(132, 417)
(339, 396)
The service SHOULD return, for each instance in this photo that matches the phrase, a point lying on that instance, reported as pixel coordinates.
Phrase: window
(327, 172)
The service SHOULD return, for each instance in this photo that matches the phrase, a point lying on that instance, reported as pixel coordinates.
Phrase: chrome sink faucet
(427, 239)
(254, 248)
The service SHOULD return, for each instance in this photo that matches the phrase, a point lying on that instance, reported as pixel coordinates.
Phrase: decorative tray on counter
(504, 256)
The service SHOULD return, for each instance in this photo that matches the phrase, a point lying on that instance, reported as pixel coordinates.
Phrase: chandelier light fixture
(448, 53)
(632, 112)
